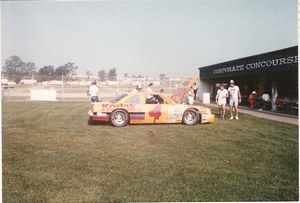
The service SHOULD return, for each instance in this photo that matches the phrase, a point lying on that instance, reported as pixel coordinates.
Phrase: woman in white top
(221, 97)
(190, 96)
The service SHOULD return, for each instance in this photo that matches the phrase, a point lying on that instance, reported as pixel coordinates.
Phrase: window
(134, 100)
(154, 99)
(118, 98)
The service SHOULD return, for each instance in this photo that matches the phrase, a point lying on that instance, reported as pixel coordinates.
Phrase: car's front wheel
(119, 118)
(190, 117)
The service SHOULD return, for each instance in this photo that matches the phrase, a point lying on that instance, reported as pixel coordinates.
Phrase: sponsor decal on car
(111, 107)
(139, 116)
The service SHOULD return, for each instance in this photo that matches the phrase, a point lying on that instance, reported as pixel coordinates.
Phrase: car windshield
(117, 98)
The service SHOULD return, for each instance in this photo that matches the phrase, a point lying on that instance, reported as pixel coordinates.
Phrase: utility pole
(31, 79)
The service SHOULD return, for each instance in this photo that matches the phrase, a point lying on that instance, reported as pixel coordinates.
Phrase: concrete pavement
(266, 115)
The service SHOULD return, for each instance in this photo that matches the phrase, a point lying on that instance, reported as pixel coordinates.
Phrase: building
(275, 73)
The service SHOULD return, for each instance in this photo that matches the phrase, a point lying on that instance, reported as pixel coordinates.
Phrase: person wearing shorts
(221, 97)
(93, 92)
(234, 99)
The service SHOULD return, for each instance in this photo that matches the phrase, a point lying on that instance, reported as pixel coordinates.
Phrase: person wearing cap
(93, 91)
(234, 99)
(252, 100)
(221, 97)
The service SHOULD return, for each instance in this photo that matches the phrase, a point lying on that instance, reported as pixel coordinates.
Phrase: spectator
(234, 99)
(93, 92)
(265, 101)
(137, 89)
(195, 88)
(149, 89)
(252, 100)
(221, 97)
(161, 91)
(190, 96)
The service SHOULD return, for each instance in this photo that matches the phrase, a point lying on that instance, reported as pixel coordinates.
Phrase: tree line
(15, 70)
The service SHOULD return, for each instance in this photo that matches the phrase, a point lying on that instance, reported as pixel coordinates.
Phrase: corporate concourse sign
(276, 61)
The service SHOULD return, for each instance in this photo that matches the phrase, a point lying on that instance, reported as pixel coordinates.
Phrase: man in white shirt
(221, 97)
(93, 92)
(150, 98)
(234, 99)
(149, 87)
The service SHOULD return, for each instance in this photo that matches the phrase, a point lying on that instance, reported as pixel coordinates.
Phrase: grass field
(51, 154)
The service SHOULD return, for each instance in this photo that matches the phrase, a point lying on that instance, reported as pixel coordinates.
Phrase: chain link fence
(77, 90)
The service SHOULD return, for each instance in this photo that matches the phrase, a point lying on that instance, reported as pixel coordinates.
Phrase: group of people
(264, 101)
(192, 93)
(94, 90)
(139, 88)
(234, 95)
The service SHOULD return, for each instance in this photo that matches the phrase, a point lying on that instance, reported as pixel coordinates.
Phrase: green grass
(51, 154)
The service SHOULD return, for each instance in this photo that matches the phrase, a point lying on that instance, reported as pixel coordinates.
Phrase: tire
(119, 118)
(190, 117)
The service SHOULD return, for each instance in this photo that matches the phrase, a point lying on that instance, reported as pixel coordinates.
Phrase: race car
(142, 108)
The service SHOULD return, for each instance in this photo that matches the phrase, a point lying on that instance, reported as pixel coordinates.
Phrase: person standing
(252, 100)
(93, 92)
(190, 96)
(221, 97)
(137, 89)
(195, 89)
(234, 99)
(149, 89)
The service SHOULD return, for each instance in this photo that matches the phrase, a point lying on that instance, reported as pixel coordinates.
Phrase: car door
(156, 112)
(135, 108)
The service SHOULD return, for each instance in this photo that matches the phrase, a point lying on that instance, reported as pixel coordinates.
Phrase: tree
(162, 76)
(112, 74)
(15, 69)
(46, 73)
(102, 75)
(67, 70)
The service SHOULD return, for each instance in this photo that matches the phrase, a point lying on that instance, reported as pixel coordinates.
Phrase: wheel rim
(119, 118)
(190, 118)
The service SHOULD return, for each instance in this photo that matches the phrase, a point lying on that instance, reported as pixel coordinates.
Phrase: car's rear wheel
(190, 117)
(119, 118)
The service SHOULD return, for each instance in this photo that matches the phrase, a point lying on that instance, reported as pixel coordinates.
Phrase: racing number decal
(155, 112)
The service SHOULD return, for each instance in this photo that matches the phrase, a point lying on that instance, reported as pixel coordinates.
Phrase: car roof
(147, 93)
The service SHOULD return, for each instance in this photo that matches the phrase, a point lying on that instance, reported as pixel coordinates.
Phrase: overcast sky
(146, 37)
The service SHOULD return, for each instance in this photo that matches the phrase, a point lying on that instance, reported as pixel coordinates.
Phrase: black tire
(191, 117)
(119, 118)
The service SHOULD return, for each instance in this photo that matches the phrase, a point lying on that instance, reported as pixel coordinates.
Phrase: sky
(145, 37)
